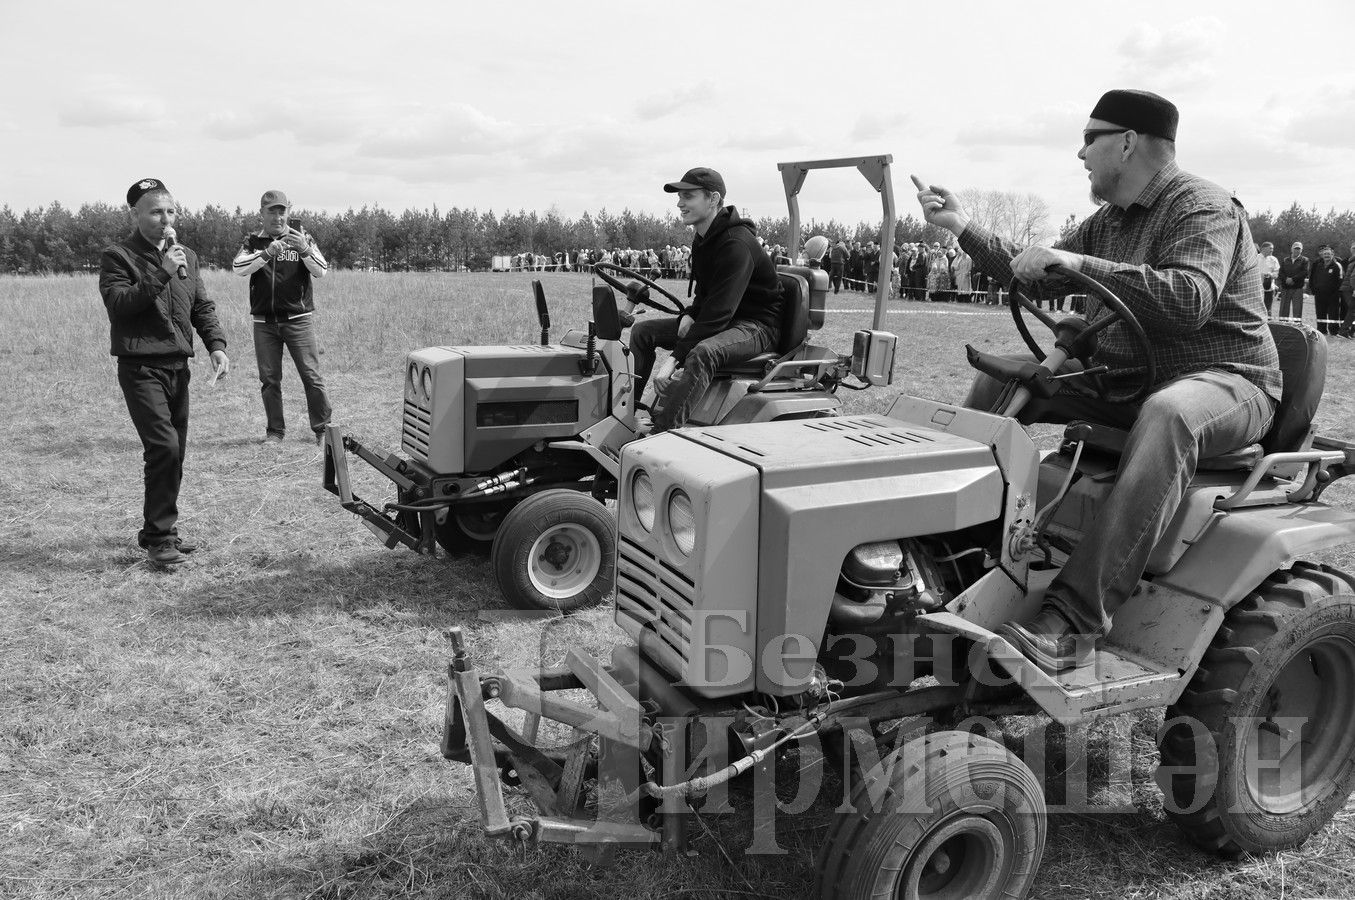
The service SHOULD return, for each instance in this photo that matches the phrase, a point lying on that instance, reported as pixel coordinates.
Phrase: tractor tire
(556, 551)
(471, 533)
(1259, 752)
(951, 814)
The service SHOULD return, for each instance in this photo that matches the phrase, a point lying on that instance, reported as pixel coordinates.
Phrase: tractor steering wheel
(639, 296)
(1116, 311)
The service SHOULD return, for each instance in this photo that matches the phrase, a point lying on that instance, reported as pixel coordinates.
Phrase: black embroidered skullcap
(1143, 111)
(142, 188)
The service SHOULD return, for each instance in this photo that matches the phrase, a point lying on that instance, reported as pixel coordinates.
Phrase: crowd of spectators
(1329, 280)
(665, 262)
(922, 272)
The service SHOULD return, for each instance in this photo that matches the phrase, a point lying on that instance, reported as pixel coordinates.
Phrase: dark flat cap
(142, 188)
(1143, 111)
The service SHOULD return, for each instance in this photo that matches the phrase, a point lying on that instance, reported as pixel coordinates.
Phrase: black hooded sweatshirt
(735, 280)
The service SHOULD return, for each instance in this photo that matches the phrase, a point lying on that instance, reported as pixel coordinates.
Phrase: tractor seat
(1303, 362)
(804, 295)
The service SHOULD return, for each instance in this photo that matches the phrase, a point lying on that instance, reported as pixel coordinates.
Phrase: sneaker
(166, 554)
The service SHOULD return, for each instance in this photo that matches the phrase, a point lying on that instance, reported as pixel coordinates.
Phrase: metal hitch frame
(492, 746)
(388, 529)
(554, 780)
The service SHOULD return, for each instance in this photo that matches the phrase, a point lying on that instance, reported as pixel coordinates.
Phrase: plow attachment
(607, 741)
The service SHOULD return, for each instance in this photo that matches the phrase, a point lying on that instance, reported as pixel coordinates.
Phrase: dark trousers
(1328, 308)
(646, 336)
(741, 341)
(1348, 317)
(1291, 304)
(298, 336)
(835, 277)
(158, 402)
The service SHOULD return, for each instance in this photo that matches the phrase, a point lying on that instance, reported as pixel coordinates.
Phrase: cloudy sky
(584, 105)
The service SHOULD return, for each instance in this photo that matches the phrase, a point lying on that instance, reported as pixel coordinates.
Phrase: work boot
(272, 438)
(185, 546)
(166, 554)
(1048, 641)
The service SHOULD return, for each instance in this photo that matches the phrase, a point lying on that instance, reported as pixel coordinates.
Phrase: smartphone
(294, 224)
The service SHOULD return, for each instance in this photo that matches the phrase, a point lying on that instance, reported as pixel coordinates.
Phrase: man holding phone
(280, 261)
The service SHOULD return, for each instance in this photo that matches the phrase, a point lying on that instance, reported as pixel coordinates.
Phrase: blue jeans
(298, 336)
(1198, 415)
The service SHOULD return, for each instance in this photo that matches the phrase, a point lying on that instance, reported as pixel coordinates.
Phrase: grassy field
(264, 721)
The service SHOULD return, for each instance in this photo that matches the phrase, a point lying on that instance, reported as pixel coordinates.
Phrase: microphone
(169, 242)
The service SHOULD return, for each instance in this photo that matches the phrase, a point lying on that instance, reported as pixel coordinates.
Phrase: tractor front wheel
(950, 815)
(556, 551)
(1259, 752)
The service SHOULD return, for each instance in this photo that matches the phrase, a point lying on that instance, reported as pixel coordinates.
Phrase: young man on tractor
(1179, 251)
(735, 310)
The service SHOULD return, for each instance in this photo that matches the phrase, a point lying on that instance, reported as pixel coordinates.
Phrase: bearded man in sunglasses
(1178, 251)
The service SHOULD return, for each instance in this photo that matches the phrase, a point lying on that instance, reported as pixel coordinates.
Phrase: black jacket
(735, 280)
(1295, 270)
(1325, 277)
(153, 315)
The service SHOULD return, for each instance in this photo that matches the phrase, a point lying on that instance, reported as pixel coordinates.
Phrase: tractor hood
(828, 485)
(814, 452)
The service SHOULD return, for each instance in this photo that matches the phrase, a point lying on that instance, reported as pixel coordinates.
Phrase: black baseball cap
(698, 179)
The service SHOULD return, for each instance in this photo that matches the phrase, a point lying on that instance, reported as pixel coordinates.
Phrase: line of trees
(56, 239)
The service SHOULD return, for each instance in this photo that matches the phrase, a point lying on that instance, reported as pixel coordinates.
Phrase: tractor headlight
(682, 521)
(412, 377)
(426, 382)
(642, 499)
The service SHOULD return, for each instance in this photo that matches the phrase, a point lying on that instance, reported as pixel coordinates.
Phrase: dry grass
(264, 722)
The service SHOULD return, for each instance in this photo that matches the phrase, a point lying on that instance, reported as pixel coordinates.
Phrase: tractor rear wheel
(950, 815)
(556, 551)
(1259, 752)
(471, 531)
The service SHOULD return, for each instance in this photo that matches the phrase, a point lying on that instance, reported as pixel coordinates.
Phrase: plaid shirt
(1181, 258)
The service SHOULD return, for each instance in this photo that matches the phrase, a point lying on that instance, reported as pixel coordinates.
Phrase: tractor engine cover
(468, 409)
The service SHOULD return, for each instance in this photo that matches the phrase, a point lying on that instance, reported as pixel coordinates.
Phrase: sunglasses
(1088, 137)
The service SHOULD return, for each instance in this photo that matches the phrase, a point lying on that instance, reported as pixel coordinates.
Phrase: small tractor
(813, 582)
(513, 451)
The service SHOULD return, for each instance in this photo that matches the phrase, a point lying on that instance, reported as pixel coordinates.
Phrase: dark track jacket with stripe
(279, 287)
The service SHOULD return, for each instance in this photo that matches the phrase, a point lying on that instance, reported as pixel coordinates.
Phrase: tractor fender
(768, 407)
(1236, 550)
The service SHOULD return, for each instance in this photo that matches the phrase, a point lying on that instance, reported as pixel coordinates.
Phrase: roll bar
(876, 171)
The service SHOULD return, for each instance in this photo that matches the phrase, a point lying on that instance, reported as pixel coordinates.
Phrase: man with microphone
(155, 300)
